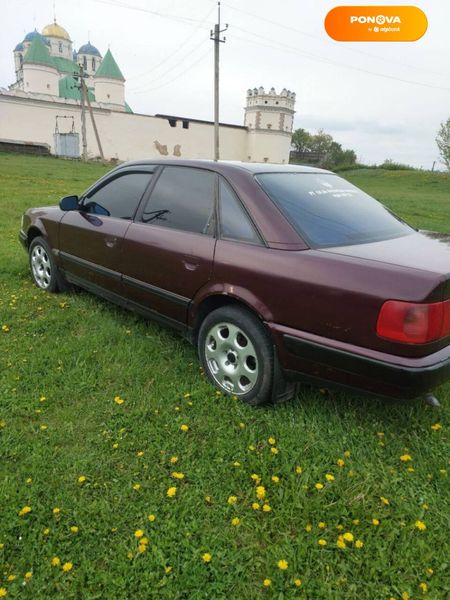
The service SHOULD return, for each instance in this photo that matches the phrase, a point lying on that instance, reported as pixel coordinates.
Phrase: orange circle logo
(376, 23)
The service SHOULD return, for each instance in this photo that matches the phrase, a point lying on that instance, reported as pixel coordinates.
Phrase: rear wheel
(236, 354)
(43, 269)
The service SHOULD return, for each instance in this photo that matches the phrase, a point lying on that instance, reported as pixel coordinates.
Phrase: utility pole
(83, 114)
(94, 125)
(215, 36)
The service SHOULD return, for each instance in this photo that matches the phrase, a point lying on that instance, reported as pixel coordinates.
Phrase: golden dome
(55, 30)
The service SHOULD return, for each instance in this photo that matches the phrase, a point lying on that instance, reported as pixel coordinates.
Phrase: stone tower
(269, 117)
(110, 83)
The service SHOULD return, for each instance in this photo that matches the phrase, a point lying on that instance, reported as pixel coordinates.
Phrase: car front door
(171, 242)
(91, 239)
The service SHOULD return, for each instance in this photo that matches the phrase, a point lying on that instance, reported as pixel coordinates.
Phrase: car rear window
(327, 210)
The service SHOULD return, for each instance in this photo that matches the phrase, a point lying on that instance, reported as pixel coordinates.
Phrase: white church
(42, 107)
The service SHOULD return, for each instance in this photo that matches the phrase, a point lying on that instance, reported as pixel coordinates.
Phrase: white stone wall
(268, 146)
(40, 79)
(60, 47)
(109, 91)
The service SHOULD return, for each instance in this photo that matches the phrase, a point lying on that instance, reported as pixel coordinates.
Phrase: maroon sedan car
(275, 273)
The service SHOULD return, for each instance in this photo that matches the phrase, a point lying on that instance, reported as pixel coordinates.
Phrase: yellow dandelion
(118, 400)
(272, 441)
(173, 460)
(405, 457)
(5, 328)
(177, 475)
(142, 548)
(56, 561)
(24, 511)
(206, 557)
(184, 427)
(267, 582)
(232, 500)
(340, 462)
(235, 521)
(322, 525)
(11, 578)
(255, 506)
(297, 582)
(275, 479)
(144, 540)
(3, 591)
(340, 543)
(420, 525)
(236, 464)
(384, 500)
(28, 575)
(329, 477)
(318, 486)
(359, 544)
(56, 511)
(136, 486)
(151, 518)
(74, 529)
(436, 427)
(348, 537)
(138, 533)
(115, 445)
(347, 454)
(375, 522)
(81, 479)
(242, 425)
(322, 542)
(171, 492)
(355, 521)
(208, 499)
(429, 571)
(282, 564)
(423, 587)
(405, 596)
(266, 507)
(46, 531)
(43, 427)
(298, 470)
(308, 528)
(256, 478)
(274, 450)
(251, 447)
(339, 527)
(140, 453)
(260, 492)
(130, 555)
(167, 569)
(67, 566)
(29, 480)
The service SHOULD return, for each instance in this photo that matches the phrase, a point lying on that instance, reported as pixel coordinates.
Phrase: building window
(93, 64)
(60, 46)
(173, 122)
(84, 62)
(21, 60)
(48, 86)
(185, 124)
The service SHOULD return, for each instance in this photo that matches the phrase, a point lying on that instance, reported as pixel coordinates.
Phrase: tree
(324, 150)
(301, 140)
(443, 142)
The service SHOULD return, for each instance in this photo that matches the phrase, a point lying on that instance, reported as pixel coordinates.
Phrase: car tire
(237, 355)
(44, 271)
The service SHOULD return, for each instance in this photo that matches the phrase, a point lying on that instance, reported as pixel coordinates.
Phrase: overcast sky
(384, 100)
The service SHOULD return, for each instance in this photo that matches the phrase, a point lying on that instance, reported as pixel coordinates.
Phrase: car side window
(183, 198)
(120, 197)
(235, 224)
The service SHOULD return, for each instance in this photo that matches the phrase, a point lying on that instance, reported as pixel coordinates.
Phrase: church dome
(89, 49)
(19, 47)
(55, 30)
(30, 37)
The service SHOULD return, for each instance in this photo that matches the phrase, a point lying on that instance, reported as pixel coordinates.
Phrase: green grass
(66, 357)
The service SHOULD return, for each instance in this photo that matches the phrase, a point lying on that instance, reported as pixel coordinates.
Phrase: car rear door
(168, 250)
(91, 239)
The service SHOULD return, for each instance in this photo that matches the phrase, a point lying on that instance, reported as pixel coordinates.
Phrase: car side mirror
(69, 203)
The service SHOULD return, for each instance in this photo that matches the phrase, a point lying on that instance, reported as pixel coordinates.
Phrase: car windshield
(327, 210)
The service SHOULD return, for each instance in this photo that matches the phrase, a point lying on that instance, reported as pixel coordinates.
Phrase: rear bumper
(351, 366)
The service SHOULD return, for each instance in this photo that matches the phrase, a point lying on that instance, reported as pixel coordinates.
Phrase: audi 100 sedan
(275, 273)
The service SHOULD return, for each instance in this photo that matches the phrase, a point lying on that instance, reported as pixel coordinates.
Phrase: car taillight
(412, 323)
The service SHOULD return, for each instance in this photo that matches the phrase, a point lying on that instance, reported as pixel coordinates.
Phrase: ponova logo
(376, 23)
(379, 19)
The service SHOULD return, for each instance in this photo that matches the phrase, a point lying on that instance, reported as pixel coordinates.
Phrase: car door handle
(190, 264)
(110, 241)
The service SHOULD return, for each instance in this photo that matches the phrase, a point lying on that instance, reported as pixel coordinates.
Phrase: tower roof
(109, 69)
(89, 49)
(55, 30)
(30, 37)
(18, 47)
(38, 53)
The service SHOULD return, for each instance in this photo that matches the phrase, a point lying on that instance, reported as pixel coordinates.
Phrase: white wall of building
(41, 79)
(109, 91)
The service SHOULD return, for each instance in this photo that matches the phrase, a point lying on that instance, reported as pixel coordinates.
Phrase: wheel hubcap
(41, 267)
(231, 358)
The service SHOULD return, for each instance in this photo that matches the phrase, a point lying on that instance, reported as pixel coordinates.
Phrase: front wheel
(43, 268)
(237, 355)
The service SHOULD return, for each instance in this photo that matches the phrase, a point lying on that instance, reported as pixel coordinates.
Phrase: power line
(318, 58)
(155, 13)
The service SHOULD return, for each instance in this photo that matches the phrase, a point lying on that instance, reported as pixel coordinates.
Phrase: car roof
(221, 165)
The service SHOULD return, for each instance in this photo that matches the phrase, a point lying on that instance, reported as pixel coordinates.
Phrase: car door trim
(153, 289)
(89, 265)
